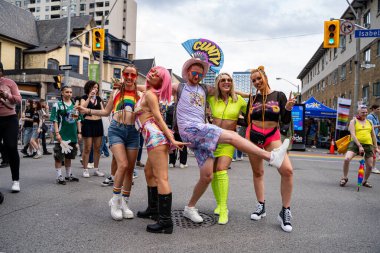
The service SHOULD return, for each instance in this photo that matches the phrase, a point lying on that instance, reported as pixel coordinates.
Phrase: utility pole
(68, 40)
(101, 54)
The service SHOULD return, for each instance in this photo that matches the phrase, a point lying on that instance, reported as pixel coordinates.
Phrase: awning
(316, 109)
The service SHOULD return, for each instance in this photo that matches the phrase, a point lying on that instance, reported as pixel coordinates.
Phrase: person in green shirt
(67, 133)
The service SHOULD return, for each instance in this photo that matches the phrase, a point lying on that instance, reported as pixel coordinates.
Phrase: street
(46, 217)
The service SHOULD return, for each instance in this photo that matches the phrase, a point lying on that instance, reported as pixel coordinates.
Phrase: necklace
(195, 97)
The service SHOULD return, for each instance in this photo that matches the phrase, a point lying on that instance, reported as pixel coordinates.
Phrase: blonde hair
(261, 71)
(217, 89)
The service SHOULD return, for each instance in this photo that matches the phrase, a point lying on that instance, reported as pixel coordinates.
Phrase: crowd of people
(135, 113)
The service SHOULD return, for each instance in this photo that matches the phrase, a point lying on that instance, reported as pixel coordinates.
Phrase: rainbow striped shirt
(127, 102)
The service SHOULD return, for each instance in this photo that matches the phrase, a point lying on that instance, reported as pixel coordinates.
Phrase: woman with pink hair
(158, 139)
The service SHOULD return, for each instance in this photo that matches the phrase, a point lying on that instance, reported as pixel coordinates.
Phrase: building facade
(330, 73)
(121, 24)
(242, 80)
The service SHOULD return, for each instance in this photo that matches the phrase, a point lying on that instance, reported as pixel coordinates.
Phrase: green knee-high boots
(220, 184)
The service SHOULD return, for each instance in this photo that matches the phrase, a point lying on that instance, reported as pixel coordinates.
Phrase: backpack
(179, 92)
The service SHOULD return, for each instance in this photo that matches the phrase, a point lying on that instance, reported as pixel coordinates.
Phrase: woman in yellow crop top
(363, 141)
(226, 106)
(123, 139)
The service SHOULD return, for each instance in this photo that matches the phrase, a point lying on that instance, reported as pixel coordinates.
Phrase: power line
(236, 41)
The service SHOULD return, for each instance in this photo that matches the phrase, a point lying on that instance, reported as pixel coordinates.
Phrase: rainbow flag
(343, 113)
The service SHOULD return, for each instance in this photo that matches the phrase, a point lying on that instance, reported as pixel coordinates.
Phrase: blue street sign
(367, 33)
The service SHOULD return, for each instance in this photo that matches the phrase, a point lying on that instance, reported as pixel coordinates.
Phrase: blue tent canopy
(315, 109)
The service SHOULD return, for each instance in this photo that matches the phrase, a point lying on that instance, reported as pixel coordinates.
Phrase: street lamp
(295, 85)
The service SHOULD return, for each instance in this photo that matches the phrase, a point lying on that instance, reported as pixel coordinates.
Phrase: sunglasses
(225, 80)
(195, 73)
(132, 75)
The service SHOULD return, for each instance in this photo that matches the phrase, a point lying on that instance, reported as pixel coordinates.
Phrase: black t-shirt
(169, 116)
(274, 108)
(29, 115)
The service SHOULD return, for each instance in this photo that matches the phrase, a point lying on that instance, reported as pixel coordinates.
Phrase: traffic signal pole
(357, 61)
(68, 41)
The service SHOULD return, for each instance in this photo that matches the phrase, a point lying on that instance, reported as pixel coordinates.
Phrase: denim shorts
(27, 134)
(35, 133)
(119, 133)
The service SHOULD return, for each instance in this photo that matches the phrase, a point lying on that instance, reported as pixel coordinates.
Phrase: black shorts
(92, 128)
(59, 156)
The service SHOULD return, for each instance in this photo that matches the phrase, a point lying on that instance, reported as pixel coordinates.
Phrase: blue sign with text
(367, 33)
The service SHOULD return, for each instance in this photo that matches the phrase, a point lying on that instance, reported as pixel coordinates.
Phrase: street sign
(346, 27)
(65, 67)
(367, 65)
(367, 33)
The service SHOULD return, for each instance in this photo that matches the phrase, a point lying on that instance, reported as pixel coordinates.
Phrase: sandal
(366, 184)
(343, 181)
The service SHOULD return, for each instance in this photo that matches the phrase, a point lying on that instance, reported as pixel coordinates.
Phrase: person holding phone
(266, 109)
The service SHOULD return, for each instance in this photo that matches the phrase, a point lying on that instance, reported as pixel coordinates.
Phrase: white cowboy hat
(193, 61)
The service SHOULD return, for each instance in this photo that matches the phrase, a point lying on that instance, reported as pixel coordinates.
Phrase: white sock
(59, 172)
(68, 171)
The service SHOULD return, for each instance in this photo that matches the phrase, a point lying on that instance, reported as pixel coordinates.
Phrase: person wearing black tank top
(92, 127)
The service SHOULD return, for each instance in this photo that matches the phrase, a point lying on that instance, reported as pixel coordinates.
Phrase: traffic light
(331, 34)
(98, 39)
(58, 82)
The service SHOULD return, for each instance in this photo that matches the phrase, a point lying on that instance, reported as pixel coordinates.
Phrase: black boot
(165, 223)
(151, 211)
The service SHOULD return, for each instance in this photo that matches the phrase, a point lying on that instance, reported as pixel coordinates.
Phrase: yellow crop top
(363, 133)
(230, 111)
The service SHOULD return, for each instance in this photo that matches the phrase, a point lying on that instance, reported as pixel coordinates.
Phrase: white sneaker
(90, 165)
(127, 213)
(16, 186)
(182, 166)
(86, 173)
(240, 159)
(171, 165)
(234, 160)
(278, 154)
(38, 155)
(376, 171)
(116, 211)
(98, 173)
(192, 214)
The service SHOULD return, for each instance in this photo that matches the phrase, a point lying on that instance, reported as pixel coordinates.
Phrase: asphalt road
(46, 217)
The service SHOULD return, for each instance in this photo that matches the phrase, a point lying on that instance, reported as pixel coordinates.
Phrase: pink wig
(165, 92)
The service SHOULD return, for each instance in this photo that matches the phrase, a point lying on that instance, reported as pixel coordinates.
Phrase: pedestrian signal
(57, 82)
(331, 34)
(98, 39)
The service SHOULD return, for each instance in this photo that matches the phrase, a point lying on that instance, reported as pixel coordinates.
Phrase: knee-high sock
(215, 190)
(223, 185)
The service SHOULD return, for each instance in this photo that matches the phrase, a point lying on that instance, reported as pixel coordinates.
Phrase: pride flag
(343, 113)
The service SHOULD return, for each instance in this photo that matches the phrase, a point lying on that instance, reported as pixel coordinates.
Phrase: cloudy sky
(281, 35)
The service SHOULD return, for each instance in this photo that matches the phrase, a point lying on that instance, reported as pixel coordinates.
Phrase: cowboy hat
(191, 62)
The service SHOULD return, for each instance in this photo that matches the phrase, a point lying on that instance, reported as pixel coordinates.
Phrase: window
(46, 16)
(367, 19)
(53, 64)
(38, 9)
(323, 63)
(343, 72)
(37, 17)
(335, 77)
(343, 42)
(367, 55)
(91, 6)
(378, 46)
(87, 39)
(18, 57)
(117, 73)
(124, 51)
(18, 3)
(82, 7)
(47, 8)
(74, 62)
(365, 96)
(107, 4)
(376, 89)
(85, 66)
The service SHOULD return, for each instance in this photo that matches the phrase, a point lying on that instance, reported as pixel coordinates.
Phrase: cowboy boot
(165, 223)
(151, 211)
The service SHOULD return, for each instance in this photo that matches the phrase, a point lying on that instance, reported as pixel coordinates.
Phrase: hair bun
(261, 68)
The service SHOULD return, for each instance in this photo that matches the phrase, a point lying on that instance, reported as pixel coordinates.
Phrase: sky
(280, 35)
